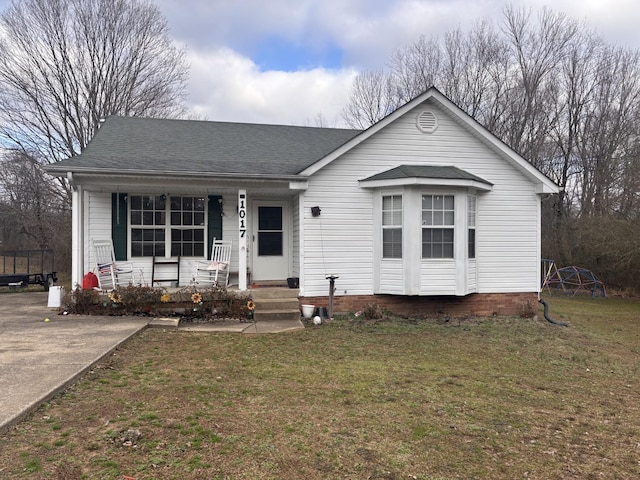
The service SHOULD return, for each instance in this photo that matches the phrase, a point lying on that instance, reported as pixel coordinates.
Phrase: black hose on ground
(549, 319)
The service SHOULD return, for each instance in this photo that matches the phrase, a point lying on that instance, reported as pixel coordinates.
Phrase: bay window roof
(433, 175)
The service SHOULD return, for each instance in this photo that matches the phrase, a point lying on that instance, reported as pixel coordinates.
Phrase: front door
(270, 241)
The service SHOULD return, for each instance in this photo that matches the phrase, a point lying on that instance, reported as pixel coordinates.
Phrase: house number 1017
(242, 214)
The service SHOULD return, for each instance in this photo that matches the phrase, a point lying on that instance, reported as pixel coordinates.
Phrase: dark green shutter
(214, 221)
(119, 224)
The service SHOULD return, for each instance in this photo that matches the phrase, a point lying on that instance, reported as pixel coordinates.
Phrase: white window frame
(472, 214)
(197, 215)
(156, 223)
(394, 226)
(438, 219)
(162, 220)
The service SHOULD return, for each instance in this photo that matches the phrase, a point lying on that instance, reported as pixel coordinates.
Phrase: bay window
(426, 218)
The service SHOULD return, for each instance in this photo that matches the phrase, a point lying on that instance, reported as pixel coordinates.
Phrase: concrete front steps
(275, 304)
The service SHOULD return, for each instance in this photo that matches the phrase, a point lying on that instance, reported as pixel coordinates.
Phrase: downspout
(540, 300)
(546, 314)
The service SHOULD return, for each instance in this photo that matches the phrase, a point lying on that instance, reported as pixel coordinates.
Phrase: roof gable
(543, 183)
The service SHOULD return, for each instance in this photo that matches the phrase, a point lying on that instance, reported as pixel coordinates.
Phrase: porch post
(77, 246)
(242, 239)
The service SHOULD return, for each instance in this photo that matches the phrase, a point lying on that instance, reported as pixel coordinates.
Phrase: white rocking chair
(110, 273)
(216, 271)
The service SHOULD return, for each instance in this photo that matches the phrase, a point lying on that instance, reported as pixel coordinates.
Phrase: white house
(425, 209)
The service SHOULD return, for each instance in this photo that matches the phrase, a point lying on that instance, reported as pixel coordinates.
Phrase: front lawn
(497, 398)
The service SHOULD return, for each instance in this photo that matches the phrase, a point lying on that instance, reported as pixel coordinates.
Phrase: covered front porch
(165, 228)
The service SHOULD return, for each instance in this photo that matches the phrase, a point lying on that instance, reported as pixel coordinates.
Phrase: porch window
(151, 232)
(148, 220)
(392, 226)
(438, 215)
(187, 226)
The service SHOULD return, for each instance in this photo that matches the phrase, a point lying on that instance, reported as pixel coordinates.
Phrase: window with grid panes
(148, 221)
(151, 232)
(187, 226)
(392, 226)
(438, 216)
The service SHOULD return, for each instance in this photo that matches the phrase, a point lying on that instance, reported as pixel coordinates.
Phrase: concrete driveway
(38, 359)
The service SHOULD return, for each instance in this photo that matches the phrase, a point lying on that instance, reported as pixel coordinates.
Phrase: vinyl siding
(437, 277)
(472, 274)
(391, 277)
(99, 221)
(507, 246)
(341, 240)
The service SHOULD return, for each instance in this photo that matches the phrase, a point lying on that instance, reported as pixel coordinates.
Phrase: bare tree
(65, 64)
(31, 208)
(538, 47)
(573, 89)
(609, 136)
(373, 99)
(415, 68)
(628, 206)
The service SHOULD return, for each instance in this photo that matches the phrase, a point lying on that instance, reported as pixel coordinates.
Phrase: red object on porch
(90, 281)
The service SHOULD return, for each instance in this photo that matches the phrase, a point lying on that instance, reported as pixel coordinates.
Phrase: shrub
(212, 303)
(190, 303)
(372, 311)
(81, 302)
(136, 299)
(129, 300)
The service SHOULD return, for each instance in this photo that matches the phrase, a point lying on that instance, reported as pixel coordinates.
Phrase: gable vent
(427, 122)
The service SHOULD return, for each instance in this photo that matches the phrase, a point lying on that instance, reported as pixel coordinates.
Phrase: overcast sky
(291, 61)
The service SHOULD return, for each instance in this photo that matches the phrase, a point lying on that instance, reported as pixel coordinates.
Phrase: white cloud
(226, 86)
(220, 37)
(616, 20)
(368, 29)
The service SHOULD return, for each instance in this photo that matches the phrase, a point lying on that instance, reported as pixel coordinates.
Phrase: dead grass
(391, 399)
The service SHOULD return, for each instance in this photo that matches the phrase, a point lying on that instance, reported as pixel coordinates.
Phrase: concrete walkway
(39, 359)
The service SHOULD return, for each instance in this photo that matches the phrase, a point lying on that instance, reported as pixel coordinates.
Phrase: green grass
(393, 399)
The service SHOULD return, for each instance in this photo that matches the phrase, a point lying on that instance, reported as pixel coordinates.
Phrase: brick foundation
(483, 304)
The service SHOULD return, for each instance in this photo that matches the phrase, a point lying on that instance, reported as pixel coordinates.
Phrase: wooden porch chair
(216, 271)
(110, 273)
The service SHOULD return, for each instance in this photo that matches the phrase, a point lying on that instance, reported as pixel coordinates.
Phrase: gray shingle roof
(147, 144)
(426, 171)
